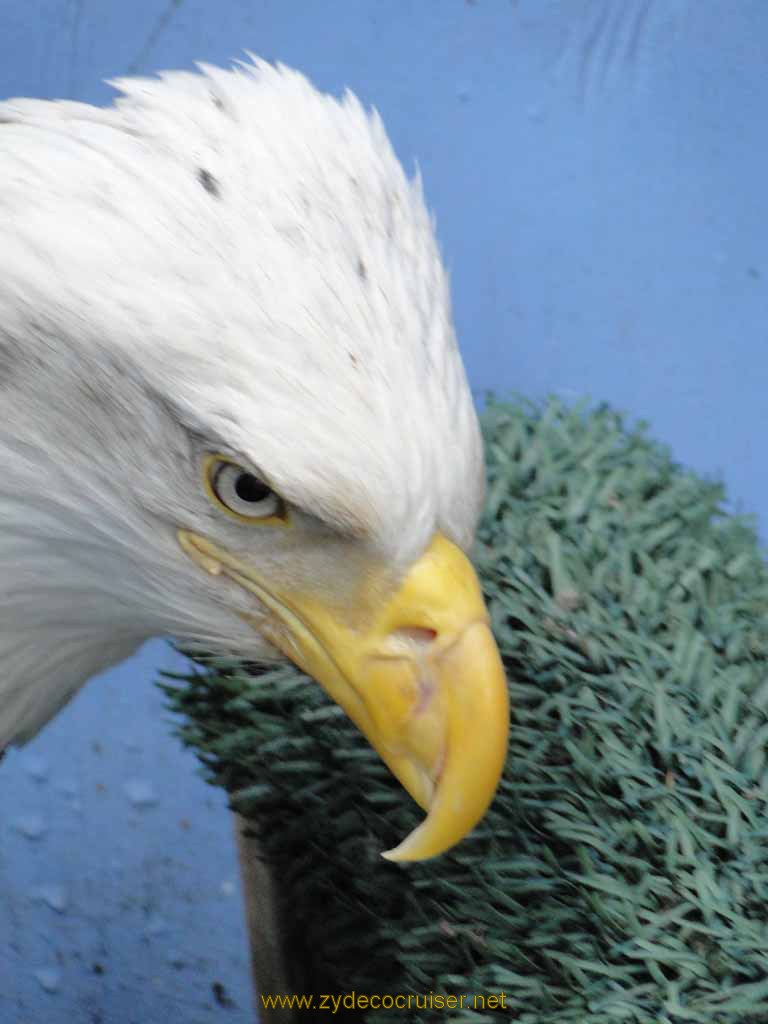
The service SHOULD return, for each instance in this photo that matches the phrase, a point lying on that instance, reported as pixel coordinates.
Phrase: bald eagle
(234, 412)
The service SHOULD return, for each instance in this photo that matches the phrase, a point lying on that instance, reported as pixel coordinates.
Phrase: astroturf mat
(621, 874)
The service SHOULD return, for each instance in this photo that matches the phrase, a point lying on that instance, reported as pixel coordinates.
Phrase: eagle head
(234, 412)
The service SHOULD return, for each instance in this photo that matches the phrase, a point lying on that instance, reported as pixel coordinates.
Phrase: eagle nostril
(414, 636)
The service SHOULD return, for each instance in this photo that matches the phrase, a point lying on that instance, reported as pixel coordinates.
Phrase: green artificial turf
(621, 874)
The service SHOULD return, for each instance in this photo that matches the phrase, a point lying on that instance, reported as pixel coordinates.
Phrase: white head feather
(224, 261)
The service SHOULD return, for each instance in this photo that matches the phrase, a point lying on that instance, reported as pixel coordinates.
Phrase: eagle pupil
(249, 488)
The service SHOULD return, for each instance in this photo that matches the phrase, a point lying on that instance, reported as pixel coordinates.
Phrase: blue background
(598, 170)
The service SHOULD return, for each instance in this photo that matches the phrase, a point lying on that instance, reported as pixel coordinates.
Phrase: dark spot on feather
(209, 183)
(362, 270)
(218, 102)
(352, 359)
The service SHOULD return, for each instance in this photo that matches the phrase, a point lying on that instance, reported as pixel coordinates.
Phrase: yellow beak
(419, 673)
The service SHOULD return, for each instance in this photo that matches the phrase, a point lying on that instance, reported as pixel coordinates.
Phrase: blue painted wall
(598, 170)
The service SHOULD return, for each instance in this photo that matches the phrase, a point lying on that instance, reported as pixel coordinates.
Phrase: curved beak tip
(476, 709)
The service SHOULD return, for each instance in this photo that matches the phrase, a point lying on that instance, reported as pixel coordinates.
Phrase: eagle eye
(240, 492)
